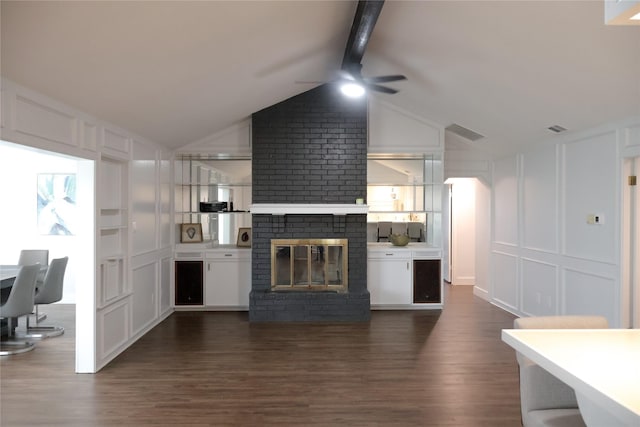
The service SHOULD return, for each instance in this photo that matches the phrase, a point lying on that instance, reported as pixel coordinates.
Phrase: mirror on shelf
(215, 192)
(404, 194)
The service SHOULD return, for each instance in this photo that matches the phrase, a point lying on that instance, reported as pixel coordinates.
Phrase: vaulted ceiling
(175, 71)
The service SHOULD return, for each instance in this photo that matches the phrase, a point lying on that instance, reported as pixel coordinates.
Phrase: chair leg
(40, 332)
(10, 345)
(40, 316)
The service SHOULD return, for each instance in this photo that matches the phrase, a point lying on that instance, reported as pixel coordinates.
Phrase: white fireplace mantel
(308, 209)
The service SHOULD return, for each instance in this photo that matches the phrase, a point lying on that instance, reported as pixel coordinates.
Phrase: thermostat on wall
(595, 219)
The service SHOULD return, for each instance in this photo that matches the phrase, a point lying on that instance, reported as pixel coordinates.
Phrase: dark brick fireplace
(310, 149)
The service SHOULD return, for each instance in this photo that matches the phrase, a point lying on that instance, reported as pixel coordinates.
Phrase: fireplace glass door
(309, 264)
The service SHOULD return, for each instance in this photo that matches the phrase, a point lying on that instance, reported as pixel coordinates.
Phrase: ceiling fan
(364, 20)
(349, 77)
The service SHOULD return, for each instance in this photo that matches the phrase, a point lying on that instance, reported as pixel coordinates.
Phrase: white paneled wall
(505, 278)
(144, 303)
(540, 200)
(591, 177)
(546, 257)
(589, 293)
(539, 287)
(128, 291)
(143, 187)
(505, 201)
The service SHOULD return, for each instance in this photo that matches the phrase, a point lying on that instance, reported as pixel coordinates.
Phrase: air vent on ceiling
(556, 129)
(464, 132)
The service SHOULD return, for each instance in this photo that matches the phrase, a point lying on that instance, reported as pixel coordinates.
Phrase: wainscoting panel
(35, 119)
(116, 141)
(540, 200)
(165, 284)
(632, 136)
(591, 175)
(505, 201)
(587, 293)
(144, 197)
(113, 329)
(144, 296)
(539, 288)
(88, 136)
(505, 274)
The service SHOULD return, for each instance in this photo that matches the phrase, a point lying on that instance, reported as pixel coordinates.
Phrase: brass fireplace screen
(309, 264)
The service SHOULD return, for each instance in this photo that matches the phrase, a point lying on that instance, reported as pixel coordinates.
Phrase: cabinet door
(228, 283)
(188, 282)
(426, 281)
(389, 281)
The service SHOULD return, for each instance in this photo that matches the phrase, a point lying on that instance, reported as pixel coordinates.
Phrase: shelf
(113, 227)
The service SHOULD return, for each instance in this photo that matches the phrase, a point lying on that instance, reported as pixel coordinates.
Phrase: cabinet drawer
(230, 254)
(389, 255)
(426, 254)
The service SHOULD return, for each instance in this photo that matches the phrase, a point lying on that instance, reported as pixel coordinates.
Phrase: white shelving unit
(113, 232)
(404, 189)
(213, 179)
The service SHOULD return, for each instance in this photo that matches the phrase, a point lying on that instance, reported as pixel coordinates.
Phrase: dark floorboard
(403, 368)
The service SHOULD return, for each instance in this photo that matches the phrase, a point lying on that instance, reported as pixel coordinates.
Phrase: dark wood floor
(404, 368)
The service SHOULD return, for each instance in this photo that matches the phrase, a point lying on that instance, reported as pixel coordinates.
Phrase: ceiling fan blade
(385, 79)
(379, 88)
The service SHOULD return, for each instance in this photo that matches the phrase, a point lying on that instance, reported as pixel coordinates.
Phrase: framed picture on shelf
(244, 237)
(190, 233)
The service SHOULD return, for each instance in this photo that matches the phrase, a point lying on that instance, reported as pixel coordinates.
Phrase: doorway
(23, 172)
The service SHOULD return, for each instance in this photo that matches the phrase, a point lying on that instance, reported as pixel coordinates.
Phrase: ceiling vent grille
(464, 132)
(556, 129)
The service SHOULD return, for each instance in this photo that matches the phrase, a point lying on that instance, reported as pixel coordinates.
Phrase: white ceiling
(175, 72)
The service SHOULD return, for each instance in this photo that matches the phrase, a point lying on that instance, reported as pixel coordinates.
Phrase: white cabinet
(228, 278)
(389, 278)
(407, 277)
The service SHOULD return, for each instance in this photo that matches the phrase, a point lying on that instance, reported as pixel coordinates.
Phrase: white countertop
(411, 245)
(601, 365)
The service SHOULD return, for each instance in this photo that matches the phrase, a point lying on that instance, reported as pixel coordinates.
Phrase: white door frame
(630, 238)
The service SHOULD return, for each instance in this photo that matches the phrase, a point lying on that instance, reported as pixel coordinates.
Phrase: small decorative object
(399, 239)
(359, 201)
(190, 233)
(244, 237)
(213, 206)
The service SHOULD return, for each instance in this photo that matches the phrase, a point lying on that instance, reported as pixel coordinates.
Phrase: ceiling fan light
(352, 90)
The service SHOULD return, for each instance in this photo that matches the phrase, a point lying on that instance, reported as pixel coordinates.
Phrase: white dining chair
(545, 401)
